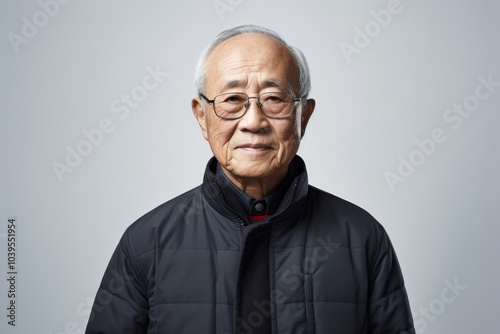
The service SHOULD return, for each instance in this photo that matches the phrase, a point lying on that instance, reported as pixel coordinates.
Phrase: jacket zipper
(241, 222)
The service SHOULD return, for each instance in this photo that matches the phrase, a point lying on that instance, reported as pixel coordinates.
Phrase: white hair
(297, 55)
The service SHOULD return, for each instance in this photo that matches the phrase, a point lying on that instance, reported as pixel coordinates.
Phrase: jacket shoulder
(340, 216)
(139, 238)
(338, 206)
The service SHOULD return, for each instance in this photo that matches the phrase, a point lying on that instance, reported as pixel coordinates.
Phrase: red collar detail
(257, 218)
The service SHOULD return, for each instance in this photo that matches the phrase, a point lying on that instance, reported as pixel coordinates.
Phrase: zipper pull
(242, 223)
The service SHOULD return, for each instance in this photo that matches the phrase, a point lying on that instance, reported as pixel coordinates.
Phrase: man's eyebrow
(268, 83)
(278, 84)
(233, 84)
(274, 83)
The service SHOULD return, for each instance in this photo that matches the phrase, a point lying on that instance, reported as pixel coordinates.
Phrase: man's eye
(273, 98)
(234, 99)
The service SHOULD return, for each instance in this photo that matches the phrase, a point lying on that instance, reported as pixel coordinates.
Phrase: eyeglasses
(235, 105)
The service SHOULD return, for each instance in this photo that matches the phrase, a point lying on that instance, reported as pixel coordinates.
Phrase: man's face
(254, 146)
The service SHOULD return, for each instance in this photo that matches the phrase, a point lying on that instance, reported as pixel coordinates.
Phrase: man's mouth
(254, 147)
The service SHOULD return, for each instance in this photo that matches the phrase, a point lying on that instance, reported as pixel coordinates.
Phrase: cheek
(289, 139)
(224, 132)
(219, 136)
(215, 129)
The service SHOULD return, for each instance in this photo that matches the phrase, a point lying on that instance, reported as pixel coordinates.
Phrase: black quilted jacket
(179, 269)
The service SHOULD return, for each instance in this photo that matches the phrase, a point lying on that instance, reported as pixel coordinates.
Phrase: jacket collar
(222, 198)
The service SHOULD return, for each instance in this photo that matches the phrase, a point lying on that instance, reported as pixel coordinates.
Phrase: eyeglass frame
(259, 104)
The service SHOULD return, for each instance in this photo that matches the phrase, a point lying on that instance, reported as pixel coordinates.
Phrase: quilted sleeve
(389, 309)
(121, 304)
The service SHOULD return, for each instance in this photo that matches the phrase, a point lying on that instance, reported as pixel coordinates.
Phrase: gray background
(370, 111)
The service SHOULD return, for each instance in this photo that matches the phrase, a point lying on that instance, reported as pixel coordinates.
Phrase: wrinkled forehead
(252, 53)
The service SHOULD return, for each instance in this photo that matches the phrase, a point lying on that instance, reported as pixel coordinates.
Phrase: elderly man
(255, 248)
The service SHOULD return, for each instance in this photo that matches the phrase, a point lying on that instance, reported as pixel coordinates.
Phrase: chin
(251, 169)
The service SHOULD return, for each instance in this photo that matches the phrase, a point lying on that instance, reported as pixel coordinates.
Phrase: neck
(257, 187)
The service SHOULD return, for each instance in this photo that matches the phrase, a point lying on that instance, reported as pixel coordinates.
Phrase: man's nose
(254, 119)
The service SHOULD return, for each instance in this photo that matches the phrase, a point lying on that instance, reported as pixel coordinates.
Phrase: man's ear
(306, 114)
(199, 113)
